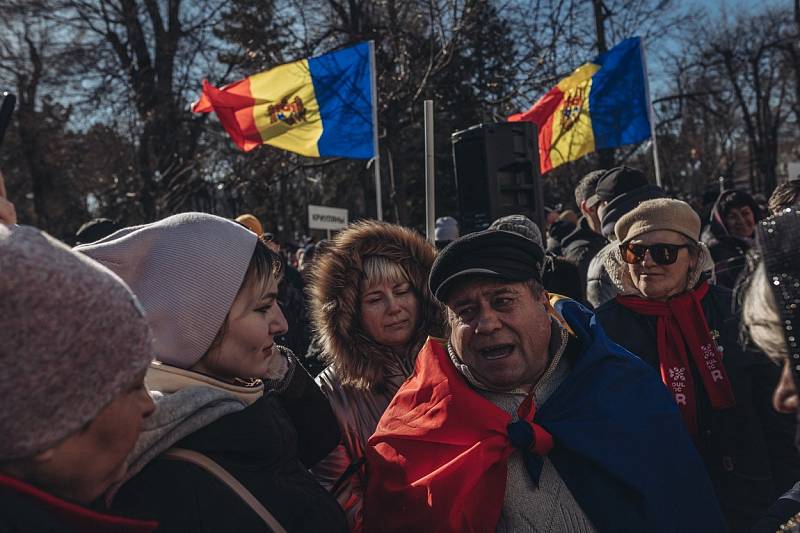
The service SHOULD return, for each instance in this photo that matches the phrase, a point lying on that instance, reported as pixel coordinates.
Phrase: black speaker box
(497, 174)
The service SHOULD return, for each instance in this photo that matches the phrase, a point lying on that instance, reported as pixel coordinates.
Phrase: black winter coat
(560, 276)
(729, 252)
(558, 230)
(259, 447)
(581, 246)
(26, 509)
(748, 449)
(292, 301)
(786, 508)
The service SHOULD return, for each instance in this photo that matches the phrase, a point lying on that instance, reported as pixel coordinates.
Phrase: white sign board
(320, 217)
(793, 169)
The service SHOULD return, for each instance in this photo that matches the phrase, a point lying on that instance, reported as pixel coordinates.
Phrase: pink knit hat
(186, 271)
(72, 339)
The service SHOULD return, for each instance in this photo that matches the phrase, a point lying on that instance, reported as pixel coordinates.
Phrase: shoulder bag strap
(350, 471)
(210, 466)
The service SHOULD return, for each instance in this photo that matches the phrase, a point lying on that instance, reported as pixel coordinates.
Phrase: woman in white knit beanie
(223, 388)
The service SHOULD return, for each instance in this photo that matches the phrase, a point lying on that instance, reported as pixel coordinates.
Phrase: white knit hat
(446, 229)
(186, 271)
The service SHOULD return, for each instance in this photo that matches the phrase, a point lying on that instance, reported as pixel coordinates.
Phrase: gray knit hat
(521, 225)
(72, 338)
(186, 271)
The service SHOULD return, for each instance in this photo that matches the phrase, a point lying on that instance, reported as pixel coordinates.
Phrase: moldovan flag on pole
(318, 107)
(602, 104)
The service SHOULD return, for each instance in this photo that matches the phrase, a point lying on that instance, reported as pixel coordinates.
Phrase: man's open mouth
(497, 351)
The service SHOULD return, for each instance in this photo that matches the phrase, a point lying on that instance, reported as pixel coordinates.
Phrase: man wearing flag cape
(529, 418)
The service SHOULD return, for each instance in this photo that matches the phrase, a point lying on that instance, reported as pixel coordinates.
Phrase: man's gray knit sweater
(550, 506)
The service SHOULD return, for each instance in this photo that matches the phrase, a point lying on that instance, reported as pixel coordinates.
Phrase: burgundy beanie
(72, 339)
(186, 271)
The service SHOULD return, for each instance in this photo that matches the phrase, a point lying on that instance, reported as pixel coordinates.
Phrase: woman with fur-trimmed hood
(372, 311)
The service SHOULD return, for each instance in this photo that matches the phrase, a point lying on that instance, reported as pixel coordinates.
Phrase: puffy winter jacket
(581, 246)
(363, 375)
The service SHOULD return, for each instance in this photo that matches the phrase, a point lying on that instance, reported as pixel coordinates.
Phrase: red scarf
(681, 321)
(431, 466)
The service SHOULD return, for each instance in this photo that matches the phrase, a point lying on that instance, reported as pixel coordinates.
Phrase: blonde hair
(378, 268)
(761, 318)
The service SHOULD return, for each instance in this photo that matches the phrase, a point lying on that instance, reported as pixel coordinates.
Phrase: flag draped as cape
(438, 458)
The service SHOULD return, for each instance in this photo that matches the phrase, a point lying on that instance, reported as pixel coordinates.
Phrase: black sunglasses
(662, 253)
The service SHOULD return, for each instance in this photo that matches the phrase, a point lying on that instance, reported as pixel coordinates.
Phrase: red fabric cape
(420, 450)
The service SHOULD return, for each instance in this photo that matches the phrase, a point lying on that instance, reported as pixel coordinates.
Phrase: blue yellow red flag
(322, 106)
(602, 104)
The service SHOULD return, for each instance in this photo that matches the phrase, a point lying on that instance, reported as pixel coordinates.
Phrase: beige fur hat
(659, 214)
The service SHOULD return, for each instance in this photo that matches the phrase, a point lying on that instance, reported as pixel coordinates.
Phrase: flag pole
(376, 160)
(430, 181)
(651, 115)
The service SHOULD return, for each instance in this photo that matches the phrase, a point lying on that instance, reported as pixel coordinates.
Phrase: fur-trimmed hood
(335, 301)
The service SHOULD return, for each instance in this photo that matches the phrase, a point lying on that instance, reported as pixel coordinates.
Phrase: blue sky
(719, 12)
(731, 7)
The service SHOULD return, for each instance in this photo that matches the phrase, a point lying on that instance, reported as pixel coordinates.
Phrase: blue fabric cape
(621, 446)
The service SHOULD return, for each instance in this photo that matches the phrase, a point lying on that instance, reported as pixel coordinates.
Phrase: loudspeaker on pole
(497, 173)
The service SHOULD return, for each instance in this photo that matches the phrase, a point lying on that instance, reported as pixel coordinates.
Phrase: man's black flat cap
(490, 253)
(619, 180)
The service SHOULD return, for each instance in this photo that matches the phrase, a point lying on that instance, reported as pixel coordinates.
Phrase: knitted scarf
(682, 322)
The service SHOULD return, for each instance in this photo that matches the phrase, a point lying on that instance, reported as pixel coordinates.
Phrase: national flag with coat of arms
(602, 104)
(323, 106)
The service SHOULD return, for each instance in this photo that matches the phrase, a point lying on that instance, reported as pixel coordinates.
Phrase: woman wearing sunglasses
(669, 314)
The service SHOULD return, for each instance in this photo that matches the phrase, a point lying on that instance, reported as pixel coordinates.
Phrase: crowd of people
(632, 366)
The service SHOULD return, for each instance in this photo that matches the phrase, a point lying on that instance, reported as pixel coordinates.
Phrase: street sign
(330, 218)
